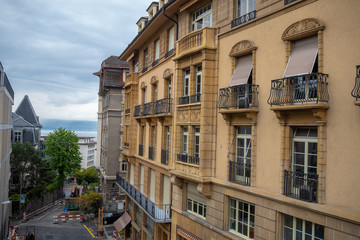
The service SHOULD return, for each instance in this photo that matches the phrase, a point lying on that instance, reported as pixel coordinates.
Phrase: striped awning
(122, 221)
(186, 234)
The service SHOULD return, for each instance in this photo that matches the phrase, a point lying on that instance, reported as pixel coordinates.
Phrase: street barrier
(68, 217)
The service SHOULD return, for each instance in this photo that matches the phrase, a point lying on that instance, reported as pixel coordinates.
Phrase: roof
(112, 62)
(141, 19)
(26, 110)
(153, 3)
(19, 121)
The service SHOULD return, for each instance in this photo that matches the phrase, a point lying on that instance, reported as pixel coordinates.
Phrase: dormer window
(202, 18)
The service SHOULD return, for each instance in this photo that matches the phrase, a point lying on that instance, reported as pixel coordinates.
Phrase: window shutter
(242, 70)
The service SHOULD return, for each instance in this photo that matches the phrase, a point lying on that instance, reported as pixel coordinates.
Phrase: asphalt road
(45, 229)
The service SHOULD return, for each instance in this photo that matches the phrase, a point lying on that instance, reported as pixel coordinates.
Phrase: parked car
(111, 217)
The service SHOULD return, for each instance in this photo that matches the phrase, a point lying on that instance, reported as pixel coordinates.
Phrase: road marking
(89, 231)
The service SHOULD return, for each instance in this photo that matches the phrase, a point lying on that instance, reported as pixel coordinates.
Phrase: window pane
(288, 221)
(308, 227)
(312, 148)
(299, 147)
(312, 160)
(299, 159)
(319, 231)
(232, 224)
(287, 234)
(298, 235)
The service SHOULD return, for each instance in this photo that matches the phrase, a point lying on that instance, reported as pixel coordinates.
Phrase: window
(186, 91)
(153, 136)
(123, 166)
(166, 190)
(185, 135)
(198, 84)
(136, 65)
(167, 137)
(201, 18)
(197, 142)
(241, 218)
(244, 7)
(169, 88)
(152, 185)
(142, 178)
(154, 92)
(145, 60)
(196, 203)
(157, 49)
(132, 174)
(171, 39)
(296, 228)
(243, 154)
(144, 96)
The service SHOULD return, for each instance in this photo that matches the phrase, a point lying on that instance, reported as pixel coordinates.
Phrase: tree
(87, 177)
(90, 202)
(63, 149)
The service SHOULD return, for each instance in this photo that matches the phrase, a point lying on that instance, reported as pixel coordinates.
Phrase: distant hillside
(73, 125)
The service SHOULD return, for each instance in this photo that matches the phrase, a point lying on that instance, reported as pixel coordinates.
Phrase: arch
(143, 85)
(154, 80)
(242, 48)
(167, 73)
(302, 28)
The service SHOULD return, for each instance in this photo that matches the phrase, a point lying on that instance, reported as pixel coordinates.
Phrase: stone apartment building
(88, 151)
(242, 121)
(6, 100)
(109, 138)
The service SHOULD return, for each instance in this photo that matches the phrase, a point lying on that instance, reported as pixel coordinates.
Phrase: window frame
(199, 15)
(295, 228)
(186, 83)
(171, 37)
(196, 141)
(246, 137)
(248, 9)
(185, 140)
(236, 218)
(198, 80)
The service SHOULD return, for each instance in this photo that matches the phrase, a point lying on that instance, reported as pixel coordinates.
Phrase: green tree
(90, 202)
(87, 177)
(63, 149)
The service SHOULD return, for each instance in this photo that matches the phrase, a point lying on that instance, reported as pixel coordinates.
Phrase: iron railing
(164, 156)
(195, 98)
(169, 53)
(239, 172)
(163, 106)
(183, 100)
(6, 83)
(238, 97)
(141, 150)
(148, 109)
(288, 1)
(242, 19)
(151, 153)
(137, 111)
(183, 157)
(158, 212)
(127, 111)
(306, 88)
(300, 185)
(144, 70)
(126, 144)
(356, 90)
(156, 62)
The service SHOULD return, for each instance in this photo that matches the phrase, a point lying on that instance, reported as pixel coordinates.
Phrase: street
(46, 229)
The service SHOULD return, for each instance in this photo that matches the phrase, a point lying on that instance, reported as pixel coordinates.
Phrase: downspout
(177, 26)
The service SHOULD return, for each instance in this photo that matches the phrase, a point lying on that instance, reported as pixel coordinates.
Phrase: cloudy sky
(50, 48)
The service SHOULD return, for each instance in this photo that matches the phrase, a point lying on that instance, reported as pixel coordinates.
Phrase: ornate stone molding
(167, 73)
(204, 189)
(302, 28)
(242, 48)
(143, 85)
(154, 80)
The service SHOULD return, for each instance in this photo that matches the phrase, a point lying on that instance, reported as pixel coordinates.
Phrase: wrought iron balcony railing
(137, 111)
(141, 150)
(356, 90)
(301, 186)
(288, 1)
(238, 97)
(183, 100)
(242, 19)
(195, 98)
(239, 172)
(151, 153)
(148, 109)
(164, 156)
(163, 106)
(158, 212)
(183, 157)
(144, 70)
(307, 88)
(169, 53)
(156, 62)
(127, 111)
(126, 144)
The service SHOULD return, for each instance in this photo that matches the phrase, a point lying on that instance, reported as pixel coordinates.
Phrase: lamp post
(2, 218)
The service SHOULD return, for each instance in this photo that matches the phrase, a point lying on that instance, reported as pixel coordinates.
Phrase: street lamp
(2, 218)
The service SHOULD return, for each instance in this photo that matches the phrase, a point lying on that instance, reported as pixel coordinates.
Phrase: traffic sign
(22, 198)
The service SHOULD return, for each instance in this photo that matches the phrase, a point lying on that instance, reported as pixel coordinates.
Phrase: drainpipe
(177, 26)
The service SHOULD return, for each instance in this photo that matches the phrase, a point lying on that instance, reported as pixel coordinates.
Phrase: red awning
(121, 223)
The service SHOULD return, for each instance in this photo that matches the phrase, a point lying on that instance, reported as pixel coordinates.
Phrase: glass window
(244, 7)
(171, 39)
(142, 178)
(241, 218)
(295, 228)
(196, 202)
(136, 65)
(145, 58)
(17, 137)
(186, 82)
(202, 18)
(198, 80)
(196, 142)
(185, 135)
(243, 154)
(157, 49)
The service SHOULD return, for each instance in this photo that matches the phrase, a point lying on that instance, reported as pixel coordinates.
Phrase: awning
(303, 56)
(122, 221)
(185, 234)
(242, 70)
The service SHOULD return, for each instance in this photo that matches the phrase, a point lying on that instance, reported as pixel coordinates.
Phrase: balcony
(242, 19)
(356, 90)
(195, 98)
(196, 41)
(141, 150)
(164, 157)
(288, 1)
(151, 153)
(183, 100)
(137, 112)
(127, 111)
(160, 213)
(163, 106)
(183, 157)
(239, 172)
(301, 186)
(238, 97)
(148, 109)
(302, 89)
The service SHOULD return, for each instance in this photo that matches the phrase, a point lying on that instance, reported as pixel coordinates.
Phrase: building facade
(6, 100)
(251, 113)
(110, 111)
(88, 151)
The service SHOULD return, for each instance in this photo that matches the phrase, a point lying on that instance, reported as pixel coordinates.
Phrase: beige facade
(264, 123)
(6, 100)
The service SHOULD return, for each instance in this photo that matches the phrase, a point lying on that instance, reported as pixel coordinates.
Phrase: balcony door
(243, 154)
